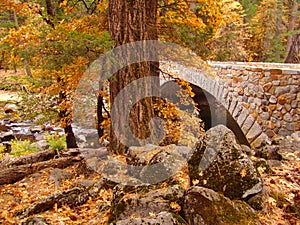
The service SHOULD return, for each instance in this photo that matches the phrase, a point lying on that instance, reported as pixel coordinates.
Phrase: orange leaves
(102, 6)
(180, 14)
(10, 5)
(20, 37)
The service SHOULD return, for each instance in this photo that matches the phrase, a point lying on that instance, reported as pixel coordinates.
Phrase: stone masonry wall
(270, 92)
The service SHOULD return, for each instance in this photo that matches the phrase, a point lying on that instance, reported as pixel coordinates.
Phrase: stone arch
(213, 113)
(210, 110)
(220, 107)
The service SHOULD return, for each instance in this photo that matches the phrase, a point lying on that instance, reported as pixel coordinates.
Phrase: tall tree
(292, 46)
(131, 21)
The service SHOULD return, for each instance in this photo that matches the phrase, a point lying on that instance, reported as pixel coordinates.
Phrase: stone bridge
(258, 101)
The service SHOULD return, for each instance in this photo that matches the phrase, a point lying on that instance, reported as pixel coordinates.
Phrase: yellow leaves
(261, 170)
(102, 5)
(152, 214)
(5, 214)
(243, 172)
(271, 201)
(195, 182)
(180, 14)
(63, 4)
(175, 206)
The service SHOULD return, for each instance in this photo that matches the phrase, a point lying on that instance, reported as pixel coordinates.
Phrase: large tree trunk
(292, 47)
(293, 54)
(292, 24)
(278, 32)
(131, 21)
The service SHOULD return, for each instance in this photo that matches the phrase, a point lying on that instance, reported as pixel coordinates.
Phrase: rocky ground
(161, 185)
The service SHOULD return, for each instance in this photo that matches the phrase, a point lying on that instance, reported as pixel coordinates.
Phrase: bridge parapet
(263, 97)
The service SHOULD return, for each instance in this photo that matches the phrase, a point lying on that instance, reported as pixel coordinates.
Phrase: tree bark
(18, 169)
(292, 47)
(71, 197)
(131, 21)
(32, 158)
(70, 137)
(278, 32)
(292, 25)
(50, 8)
(293, 56)
(16, 173)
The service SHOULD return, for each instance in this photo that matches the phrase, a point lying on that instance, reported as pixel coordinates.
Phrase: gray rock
(203, 206)
(274, 163)
(288, 145)
(58, 175)
(295, 88)
(10, 108)
(143, 202)
(87, 138)
(247, 150)
(289, 126)
(288, 117)
(282, 90)
(162, 218)
(42, 144)
(265, 115)
(269, 152)
(148, 164)
(36, 129)
(284, 132)
(24, 136)
(83, 183)
(273, 99)
(99, 153)
(162, 166)
(35, 221)
(4, 128)
(103, 207)
(296, 136)
(39, 136)
(219, 163)
(7, 136)
(257, 201)
(294, 104)
(141, 155)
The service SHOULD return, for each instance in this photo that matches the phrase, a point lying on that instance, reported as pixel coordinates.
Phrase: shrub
(22, 147)
(56, 142)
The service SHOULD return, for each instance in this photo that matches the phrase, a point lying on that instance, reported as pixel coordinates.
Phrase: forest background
(56, 41)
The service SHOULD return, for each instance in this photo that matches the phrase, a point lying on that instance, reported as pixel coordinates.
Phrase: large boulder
(145, 203)
(219, 163)
(162, 218)
(203, 206)
(58, 175)
(166, 165)
(150, 164)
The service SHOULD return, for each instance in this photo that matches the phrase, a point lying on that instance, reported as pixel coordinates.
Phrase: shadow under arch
(211, 112)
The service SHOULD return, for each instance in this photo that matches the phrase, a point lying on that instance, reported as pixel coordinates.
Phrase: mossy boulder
(219, 163)
(203, 206)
